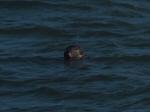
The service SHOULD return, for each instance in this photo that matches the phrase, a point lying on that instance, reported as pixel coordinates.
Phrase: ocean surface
(115, 76)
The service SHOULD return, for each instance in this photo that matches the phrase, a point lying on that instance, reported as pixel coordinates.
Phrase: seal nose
(81, 54)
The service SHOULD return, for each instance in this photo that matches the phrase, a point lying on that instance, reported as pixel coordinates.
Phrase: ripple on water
(34, 77)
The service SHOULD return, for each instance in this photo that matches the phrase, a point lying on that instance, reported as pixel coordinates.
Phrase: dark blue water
(114, 78)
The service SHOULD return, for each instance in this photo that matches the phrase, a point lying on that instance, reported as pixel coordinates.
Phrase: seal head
(73, 52)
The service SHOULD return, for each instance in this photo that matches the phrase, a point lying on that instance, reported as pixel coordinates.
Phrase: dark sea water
(115, 77)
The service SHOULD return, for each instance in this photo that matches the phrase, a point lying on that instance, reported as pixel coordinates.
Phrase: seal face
(73, 52)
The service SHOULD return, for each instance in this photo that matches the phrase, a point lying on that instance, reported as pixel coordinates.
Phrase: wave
(94, 78)
(31, 60)
(40, 91)
(141, 58)
(45, 4)
(37, 30)
(45, 60)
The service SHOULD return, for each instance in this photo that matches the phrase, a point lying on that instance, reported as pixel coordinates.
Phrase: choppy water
(114, 78)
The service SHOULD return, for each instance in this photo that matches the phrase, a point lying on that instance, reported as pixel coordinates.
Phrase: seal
(74, 52)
